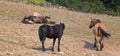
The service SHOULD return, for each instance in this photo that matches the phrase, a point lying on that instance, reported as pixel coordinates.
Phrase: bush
(111, 7)
(37, 2)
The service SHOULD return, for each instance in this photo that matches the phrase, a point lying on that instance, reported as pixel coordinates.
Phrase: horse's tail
(40, 34)
(104, 33)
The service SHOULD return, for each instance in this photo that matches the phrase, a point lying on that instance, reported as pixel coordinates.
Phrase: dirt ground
(18, 39)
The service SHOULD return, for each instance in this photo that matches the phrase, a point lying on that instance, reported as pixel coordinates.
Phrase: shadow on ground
(88, 45)
(41, 49)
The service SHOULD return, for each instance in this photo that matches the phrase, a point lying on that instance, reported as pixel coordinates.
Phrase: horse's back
(95, 29)
(102, 26)
(42, 27)
(53, 31)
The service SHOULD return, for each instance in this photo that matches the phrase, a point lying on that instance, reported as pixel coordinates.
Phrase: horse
(36, 18)
(99, 31)
(33, 19)
(52, 32)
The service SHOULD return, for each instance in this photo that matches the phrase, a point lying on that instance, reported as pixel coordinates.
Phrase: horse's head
(94, 22)
(27, 19)
(62, 25)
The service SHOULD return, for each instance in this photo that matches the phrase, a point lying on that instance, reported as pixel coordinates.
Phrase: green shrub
(37, 2)
(111, 7)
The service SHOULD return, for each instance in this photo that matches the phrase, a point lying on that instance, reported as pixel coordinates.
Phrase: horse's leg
(59, 44)
(44, 37)
(97, 49)
(94, 42)
(101, 44)
(53, 44)
(97, 43)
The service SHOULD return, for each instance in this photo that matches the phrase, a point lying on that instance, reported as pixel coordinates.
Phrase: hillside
(18, 39)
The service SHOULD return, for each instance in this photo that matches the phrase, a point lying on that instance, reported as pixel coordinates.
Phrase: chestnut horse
(99, 31)
(52, 32)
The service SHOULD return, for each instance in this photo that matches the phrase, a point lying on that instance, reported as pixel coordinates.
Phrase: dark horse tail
(40, 34)
(104, 33)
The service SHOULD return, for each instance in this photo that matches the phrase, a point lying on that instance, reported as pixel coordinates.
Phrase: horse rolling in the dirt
(35, 18)
(52, 32)
(99, 31)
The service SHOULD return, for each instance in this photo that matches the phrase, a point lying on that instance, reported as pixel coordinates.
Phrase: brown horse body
(35, 18)
(95, 28)
(99, 31)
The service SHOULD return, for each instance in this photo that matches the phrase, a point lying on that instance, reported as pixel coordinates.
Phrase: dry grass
(18, 39)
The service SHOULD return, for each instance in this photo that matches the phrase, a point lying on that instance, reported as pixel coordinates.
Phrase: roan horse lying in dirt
(36, 18)
(99, 30)
(52, 32)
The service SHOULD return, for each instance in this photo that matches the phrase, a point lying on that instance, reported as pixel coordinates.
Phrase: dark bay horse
(99, 31)
(51, 32)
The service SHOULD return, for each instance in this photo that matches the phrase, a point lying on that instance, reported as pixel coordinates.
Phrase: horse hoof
(58, 50)
(102, 46)
(43, 49)
(94, 45)
(97, 49)
(100, 49)
(52, 49)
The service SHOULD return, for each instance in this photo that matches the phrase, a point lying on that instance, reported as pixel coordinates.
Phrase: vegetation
(35, 2)
(38, 2)
(111, 7)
